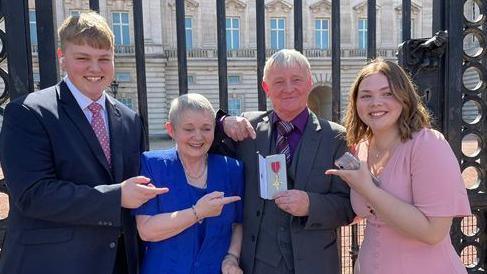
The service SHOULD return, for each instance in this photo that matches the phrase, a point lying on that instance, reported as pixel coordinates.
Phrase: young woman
(420, 189)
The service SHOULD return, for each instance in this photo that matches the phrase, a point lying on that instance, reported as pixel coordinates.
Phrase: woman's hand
(230, 265)
(212, 204)
(360, 180)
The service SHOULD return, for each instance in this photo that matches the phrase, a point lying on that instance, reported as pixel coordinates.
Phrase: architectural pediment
(120, 4)
(278, 5)
(415, 8)
(320, 6)
(360, 7)
(235, 4)
(189, 5)
(75, 4)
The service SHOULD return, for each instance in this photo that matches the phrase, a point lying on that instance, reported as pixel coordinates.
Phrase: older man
(297, 231)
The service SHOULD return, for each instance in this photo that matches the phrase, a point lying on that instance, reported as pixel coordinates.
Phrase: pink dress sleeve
(437, 184)
(359, 204)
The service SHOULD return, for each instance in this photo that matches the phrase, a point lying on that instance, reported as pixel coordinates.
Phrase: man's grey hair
(190, 101)
(286, 58)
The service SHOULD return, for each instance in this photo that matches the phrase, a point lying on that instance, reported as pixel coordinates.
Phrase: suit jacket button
(258, 213)
(253, 238)
(112, 245)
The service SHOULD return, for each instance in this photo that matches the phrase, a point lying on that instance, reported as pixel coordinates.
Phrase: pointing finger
(155, 190)
(215, 195)
(331, 172)
(250, 130)
(230, 199)
(161, 190)
(139, 180)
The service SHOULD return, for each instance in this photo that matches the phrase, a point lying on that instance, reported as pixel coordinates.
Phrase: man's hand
(238, 128)
(230, 265)
(294, 202)
(138, 190)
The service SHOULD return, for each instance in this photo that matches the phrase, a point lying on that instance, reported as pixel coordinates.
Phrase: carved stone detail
(189, 5)
(235, 5)
(278, 5)
(321, 7)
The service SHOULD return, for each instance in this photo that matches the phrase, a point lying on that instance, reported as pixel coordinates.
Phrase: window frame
(124, 40)
(232, 32)
(277, 30)
(188, 32)
(320, 31)
(33, 27)
(231, 101)
(230, 80)
(362, 33)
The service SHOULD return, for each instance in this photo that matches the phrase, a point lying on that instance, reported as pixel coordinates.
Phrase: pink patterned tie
(98, 125)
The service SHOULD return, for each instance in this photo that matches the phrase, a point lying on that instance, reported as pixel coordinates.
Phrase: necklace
(377, 155)
(201, 174)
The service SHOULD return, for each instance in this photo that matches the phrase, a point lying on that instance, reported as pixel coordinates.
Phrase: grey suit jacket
(65, 213)
(314, 238)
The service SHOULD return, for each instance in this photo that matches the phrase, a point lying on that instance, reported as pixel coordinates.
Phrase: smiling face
(193, 133)
(90, 69)
(377, 106)
(288, 89)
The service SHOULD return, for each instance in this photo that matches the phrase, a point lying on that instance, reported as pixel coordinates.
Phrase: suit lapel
(307, 151)
(74, 112)
(116, 138)
(262, 141)
(264, 135)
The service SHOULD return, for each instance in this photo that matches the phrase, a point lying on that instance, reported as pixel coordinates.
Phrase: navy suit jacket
(65, 202)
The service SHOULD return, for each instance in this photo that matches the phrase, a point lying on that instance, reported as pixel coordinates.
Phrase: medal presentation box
(273, 176)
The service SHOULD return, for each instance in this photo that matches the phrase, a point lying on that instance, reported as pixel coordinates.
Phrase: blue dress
(200, 248)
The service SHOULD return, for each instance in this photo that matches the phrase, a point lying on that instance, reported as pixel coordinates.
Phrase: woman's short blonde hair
(190, 101)
(414, 115)
(89, 28)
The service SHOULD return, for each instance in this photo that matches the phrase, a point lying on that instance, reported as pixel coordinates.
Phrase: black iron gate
(447, 68)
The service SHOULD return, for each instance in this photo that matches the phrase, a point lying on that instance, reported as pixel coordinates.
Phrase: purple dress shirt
(299, 123)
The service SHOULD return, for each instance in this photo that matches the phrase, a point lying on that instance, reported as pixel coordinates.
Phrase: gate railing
(468, 234)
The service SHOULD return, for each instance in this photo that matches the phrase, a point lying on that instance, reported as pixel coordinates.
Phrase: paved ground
(160, 143)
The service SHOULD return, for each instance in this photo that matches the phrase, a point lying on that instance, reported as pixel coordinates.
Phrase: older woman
(195, 227)
(420, 189)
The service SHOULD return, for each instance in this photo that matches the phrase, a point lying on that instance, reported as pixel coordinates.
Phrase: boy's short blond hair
(89, 28)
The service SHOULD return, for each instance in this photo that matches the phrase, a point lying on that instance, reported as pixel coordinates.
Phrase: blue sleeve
(151, 207)
(238, 183)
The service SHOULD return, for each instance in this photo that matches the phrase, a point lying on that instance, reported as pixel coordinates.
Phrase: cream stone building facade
(161, 46)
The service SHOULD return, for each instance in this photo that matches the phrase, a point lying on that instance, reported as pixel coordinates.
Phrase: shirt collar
(83, 100)
(299, 121)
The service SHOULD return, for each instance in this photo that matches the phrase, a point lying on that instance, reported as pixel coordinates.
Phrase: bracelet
(198, 219)
(231, 255)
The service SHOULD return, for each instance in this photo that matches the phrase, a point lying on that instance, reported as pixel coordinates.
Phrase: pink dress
(423, 172)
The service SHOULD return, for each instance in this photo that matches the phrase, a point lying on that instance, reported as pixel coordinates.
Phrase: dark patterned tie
(282, 144)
